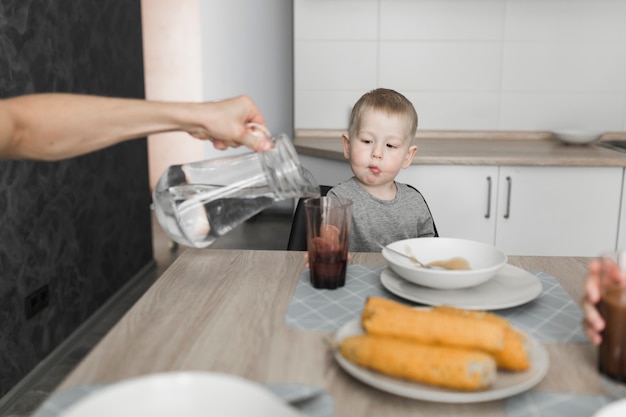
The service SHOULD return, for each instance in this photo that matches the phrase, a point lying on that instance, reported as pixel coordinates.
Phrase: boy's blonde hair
(389, 101)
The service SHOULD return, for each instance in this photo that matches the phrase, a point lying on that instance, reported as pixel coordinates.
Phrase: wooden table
(223, 311)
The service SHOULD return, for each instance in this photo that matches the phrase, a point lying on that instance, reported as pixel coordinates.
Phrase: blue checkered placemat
(551, 404)
(551, 317)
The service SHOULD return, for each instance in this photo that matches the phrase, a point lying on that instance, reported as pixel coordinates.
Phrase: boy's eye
(391, 146)
(366, 141)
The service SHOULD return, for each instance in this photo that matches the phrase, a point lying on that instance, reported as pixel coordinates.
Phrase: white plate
(506, 384)
(511, 287)
(189, 394)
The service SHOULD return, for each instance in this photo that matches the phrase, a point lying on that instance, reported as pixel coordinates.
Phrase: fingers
(230, 123)
(256, 135)
(593, 322)
(592, 283)
(593, 336)
(259, 144)
(598, 270)
(257, 138)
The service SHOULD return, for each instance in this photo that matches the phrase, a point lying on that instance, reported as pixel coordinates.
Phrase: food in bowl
(484, 261)
(456, 263)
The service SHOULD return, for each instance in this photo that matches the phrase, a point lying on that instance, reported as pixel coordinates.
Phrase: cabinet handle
(488, 214)
(509, 182)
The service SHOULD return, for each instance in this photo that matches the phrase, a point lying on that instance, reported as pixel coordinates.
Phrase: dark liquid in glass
(328, 269)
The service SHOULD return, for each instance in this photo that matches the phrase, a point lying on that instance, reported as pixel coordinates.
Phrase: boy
(379, 143)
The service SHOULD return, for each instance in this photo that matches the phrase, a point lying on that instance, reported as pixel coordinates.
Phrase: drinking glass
(328, 222)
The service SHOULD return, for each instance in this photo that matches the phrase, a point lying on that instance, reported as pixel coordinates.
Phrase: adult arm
(57, 126)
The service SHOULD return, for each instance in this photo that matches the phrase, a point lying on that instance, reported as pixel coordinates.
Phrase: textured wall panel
(81, 226)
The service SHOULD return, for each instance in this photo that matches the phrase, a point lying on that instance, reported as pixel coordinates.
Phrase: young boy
(379, 143)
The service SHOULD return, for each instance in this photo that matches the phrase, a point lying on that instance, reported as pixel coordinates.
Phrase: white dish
(189, 394)
(614, 409)
(506, 384)
(485, 261)
(578, 136)
(511, 287)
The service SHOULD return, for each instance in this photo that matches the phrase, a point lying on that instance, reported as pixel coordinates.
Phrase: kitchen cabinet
(524, 210)
(461, 198)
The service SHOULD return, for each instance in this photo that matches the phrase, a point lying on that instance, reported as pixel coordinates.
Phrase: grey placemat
(316, 402)
(548, 404)
(551, 317)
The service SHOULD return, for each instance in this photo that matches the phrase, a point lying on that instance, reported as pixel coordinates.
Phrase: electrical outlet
(36, 301)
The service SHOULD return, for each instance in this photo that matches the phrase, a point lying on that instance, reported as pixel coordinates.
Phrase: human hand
(593, 323)
(232, 123)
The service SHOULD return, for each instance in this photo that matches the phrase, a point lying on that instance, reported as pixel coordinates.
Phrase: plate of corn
(440, 354)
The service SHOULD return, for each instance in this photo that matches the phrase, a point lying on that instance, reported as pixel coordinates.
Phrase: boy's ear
(346, 146)
(409, 156)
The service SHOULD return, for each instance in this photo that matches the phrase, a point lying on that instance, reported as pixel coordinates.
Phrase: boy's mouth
(374, 169)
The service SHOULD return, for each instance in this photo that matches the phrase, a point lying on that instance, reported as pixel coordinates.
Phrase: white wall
(247, 48)
(205, 50)
(465, 64)
(173, 72)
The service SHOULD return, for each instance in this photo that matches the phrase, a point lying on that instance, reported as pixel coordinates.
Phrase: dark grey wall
(81, 226)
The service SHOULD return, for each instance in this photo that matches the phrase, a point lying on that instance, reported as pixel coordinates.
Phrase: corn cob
(443, 366)
(387, 318)
(479, 315)
(514, 355)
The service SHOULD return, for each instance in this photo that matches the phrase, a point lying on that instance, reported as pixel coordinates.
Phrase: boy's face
(380, 149)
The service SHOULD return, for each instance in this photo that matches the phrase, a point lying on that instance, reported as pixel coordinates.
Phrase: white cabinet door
(462, 198)
(558, 211)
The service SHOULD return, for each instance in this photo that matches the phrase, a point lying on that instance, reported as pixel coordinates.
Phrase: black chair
(297, 236)
(429, 212)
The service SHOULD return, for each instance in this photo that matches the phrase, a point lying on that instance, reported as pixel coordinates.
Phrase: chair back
(297, 236)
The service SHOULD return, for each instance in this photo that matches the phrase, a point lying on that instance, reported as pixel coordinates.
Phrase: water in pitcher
(197, 215)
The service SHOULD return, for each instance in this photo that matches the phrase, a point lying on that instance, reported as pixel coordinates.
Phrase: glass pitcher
(198, 202)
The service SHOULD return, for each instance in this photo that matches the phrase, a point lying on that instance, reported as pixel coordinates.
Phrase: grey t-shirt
(374, 220)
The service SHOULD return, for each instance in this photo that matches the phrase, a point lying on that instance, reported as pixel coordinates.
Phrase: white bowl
(189, 394)
(578, 136)
(485, 261)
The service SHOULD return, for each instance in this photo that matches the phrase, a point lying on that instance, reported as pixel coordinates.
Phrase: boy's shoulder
(407, 187)
(346, 186)
(409, 190)
(351, 189)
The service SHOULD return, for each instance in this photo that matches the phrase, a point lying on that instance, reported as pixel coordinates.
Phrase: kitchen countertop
(480, 148)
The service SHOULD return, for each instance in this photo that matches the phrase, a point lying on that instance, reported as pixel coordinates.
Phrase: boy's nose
(377, 153)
